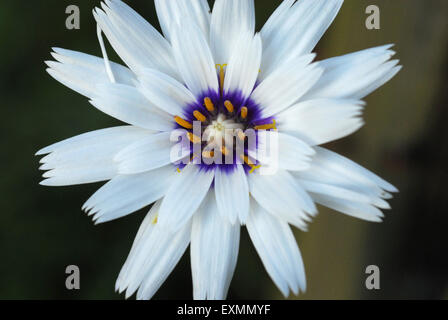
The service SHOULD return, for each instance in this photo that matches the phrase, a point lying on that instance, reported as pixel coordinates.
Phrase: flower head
(224, 130)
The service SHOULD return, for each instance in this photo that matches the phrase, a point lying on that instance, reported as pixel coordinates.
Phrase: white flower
(212, 67)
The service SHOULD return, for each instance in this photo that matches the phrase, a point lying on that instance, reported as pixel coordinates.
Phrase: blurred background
(42, 229)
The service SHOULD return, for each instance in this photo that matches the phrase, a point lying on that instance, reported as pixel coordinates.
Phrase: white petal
(294, 30)
(194, 59)
(147, 154)
(286, 85)
(153, 256)
(134, 39)
(322, 120)
(88, 157)
(278, 250)
(172, 12)
(282, 196)
(232, 194)
(127, 104)
(214, 252)
(184, 196)
(282, 150)
(355, 75)
(230, 19)
(82, 72)
(125, 194)
(244, 65)
(341, 184)
(165, 92)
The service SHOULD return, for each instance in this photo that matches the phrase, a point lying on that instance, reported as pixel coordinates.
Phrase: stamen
(241, 135)
(156, 218)
(244, 112)
(267, 126)
(199, 116)
(229, 106)
(193, 138)
(208, 154)
(224, 151)
(252, 166)
(183, 123)
(209, 104)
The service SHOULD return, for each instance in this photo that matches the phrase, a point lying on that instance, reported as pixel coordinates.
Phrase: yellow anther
(244, 112)
(221, 75)
(229, 106)
(199, 116)
(268, 126)
(183, 123)
(208, 154)
(209, 104)
(156, 218)
(224, 151)
(252, 166)
(193, 138)
(241, 135)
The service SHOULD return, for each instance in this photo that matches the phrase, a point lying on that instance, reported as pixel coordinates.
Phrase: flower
(213, 71)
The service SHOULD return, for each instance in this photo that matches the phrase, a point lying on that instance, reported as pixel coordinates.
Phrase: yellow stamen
(221, 75)
(209, 104)
(241, 135)
(250, 163)
(224, 151)
(193, 138)
(199, 116)
(183, 123)
(208, 154)
(266, 126)
(229, 106)
(156, 218)
(244, 112)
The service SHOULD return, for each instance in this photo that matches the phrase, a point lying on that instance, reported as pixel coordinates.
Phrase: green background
(42, 229)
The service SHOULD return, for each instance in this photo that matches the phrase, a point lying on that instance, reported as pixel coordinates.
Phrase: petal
(278, 250)
(88, 157)
(82, 72)
(194, 59)
(214, 252)
(294, 30)
(184, 196)
(174, 11)
(137, 43)
(125, 194)
(165, 92)
(286, 85)
(232, 194)
(322, 120)
(283, 197)
(150, 153)
(244, 65)
(153, 256)
(355, 75)
(230, 19)
(276, 149)
(127, 104)
(341, 184)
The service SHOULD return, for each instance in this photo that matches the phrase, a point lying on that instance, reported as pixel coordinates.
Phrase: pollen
(229, 106)
(193, 138)
(208, 154)
(209, 104)
(199, 116)
(183, 123)
(244, 112)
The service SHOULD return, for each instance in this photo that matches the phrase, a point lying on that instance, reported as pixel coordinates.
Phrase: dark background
(42, 229)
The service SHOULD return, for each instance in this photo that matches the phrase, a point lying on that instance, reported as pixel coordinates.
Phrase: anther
(193, 138)
(208, 154)
(199, 116)
(229, 106)
(209, 104)
(224, 150)
(183, 123)
(244, 112)
(265, 127)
